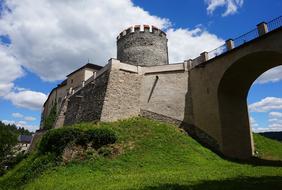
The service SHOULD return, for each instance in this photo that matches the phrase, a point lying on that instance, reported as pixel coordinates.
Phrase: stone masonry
(205, 96)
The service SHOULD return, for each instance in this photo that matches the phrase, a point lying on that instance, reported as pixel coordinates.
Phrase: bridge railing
(230, 44)
(274, 24)
(217, 51)
(246, 37)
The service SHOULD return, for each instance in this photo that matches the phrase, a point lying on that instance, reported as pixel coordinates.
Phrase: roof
(88, 65)
(25, 138)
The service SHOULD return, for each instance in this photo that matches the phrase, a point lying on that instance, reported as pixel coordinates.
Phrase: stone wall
(165, 93)
(87, 103)
(143, 48)
(123, 94)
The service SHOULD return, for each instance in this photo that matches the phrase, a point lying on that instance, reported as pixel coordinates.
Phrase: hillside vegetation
(148, 155)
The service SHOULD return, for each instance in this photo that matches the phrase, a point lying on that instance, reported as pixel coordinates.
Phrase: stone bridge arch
(232, 101)
(216, 102)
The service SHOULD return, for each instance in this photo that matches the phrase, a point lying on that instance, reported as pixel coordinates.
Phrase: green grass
(154, 156)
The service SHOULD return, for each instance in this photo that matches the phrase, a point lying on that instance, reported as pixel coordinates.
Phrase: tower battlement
(143, 45)
(141, 28)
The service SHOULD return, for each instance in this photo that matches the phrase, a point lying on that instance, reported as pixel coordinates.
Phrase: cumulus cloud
(230, 5)
(275, 115)
(29, 118)
(273, 75)
(17, 115)
(253, 122)
(27, 99)
(266, 104)
(23, 124)
(274, 123)
(184, 43)
(26, 118)
(10, 70)
(52, 38)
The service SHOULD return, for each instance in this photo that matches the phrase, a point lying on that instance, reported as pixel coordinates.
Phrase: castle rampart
(142, 45)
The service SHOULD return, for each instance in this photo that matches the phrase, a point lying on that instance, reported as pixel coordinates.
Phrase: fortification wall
(164, 90)
(122, 98)
(87, 103)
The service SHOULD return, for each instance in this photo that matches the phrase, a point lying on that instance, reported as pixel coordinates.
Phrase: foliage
(155, 156)
(8, 139)
(99, 137)
(51, 118)
(56, 140)
(26, 170)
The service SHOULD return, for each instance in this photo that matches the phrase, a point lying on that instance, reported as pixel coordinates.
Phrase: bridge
(219, 82)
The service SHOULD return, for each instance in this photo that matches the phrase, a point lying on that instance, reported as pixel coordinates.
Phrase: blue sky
(42, 41)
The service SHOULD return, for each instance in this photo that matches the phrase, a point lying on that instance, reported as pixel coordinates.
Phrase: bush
(55, 140)
(99, 137)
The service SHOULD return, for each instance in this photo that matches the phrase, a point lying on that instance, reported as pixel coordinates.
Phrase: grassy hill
(150, 155)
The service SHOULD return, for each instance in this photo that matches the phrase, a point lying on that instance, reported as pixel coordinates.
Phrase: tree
(8, 140)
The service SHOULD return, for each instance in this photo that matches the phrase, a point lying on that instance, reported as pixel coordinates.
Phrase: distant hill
(273, 135)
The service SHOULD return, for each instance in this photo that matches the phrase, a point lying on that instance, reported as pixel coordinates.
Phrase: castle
(206, 96)
(139, 82)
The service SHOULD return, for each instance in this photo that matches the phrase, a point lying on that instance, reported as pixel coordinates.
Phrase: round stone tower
(142, 45)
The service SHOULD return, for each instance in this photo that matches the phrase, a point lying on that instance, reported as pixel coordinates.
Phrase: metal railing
(251, 35)
(217, 51)
(246, 37)
(274, 24)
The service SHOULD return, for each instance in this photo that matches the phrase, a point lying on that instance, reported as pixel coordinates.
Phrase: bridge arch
(232, 94)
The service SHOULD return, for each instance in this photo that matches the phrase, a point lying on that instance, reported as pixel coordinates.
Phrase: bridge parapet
(261, 29)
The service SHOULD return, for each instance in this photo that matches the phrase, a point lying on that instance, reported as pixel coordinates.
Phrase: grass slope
(156, 156)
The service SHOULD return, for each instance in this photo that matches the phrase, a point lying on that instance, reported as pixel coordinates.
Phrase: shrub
(99, 137)
(56, 140)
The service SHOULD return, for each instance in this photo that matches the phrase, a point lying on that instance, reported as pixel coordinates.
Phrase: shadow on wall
(250, 183)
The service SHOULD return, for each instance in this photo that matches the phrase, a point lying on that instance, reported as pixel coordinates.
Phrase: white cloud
(266, 104)
(26, 118)
(253, 122)
(272, 75)
(52, 38)
(27, 99)
(275, 115)
(29, 118)
(231, 6)
(17, 115)
(10, 70)
(21, 124)
(274, 123)
(184, 43)
(5, 88)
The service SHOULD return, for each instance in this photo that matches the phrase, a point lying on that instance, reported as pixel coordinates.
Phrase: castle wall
(123, 92)
(75, 80)
(87, 103)
(165, 92)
